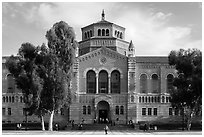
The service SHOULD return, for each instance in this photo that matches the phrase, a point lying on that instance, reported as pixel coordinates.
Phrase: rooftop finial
(103, 15)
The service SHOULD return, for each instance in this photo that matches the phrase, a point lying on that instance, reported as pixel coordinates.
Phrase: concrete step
(100, 127)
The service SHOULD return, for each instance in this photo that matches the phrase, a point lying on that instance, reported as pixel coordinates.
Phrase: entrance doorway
(103, 110)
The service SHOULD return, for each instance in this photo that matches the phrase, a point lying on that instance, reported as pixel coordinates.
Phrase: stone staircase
(101, 127)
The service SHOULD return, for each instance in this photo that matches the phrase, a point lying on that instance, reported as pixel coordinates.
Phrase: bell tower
(103, 34)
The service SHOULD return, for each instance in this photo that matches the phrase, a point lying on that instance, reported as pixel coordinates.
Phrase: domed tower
(103, 34)
(131, 50)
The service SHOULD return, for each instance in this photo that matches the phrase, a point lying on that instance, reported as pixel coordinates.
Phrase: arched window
(146, 99)
(163, 99)
(21, 99)
(117, 110)
(143, 83)
(12, 99)
(152, 99)
(99, 32)
(103, 82)
(103, 32)
(170, 79)
(89, 110)
(4, 99)
(84, 110)
(155, 83)
(143, 100)
(116, 32)
(115, 82)
(85, 35)
(158, 99)
(121, 35)
(132, 99)
(91, 33)
(88, 34)
(10, 83)
(155, 99)
(140, 99)
(149, 99)
(9, 99)
(91, 81)
(107, 32)
(121, 110)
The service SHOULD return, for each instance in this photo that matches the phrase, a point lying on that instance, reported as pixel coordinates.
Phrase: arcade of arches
(103, 83)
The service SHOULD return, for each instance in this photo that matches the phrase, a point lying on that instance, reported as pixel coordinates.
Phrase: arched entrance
(103, 112)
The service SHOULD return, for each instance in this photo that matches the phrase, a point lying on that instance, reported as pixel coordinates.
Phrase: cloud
(150, 30)
(153, 35)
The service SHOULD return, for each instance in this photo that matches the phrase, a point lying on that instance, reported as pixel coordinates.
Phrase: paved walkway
(99, 132)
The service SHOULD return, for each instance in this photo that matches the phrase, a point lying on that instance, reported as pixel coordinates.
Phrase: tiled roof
(152, 59)
(104, 21)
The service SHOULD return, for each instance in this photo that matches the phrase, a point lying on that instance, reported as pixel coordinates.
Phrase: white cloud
(152, 35)
(149, 30)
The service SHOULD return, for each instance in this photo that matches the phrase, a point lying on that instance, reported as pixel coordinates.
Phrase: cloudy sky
(154, 28)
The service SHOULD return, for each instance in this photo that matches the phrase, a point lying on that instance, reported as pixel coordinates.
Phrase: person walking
(106, 129)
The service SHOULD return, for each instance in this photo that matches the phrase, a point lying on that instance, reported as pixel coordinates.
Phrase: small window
(21, 99)
(116, 33)
(143, 100)
(152, 99)
(149, 99)
(155, 111)
(139, 99)
(9, 99)
(84, 110)
(9, 111)
(4, 99)
(121, 110)
(121, 35)
(103, 32)
(158, 99)
(170, 111)
(143, 111)
(117, 110)
(91, 33)
(99, 32)
(12, 99)
(149, 111)
(85, 35)
(107, 32)
(89, 110)
(163, 99)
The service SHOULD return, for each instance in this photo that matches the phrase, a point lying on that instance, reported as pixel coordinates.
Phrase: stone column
(149, 85)
(97, 83)
(109, 84)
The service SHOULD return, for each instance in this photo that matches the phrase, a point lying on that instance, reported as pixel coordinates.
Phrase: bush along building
(109, 82)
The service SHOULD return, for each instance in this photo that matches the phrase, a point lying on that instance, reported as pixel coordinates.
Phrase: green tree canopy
(188, 91)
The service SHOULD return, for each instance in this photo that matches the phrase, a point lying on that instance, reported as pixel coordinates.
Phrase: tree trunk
(51, 121)
(42, 123)
(189, 120)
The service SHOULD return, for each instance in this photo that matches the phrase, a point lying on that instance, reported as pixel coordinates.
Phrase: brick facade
(106, 52)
